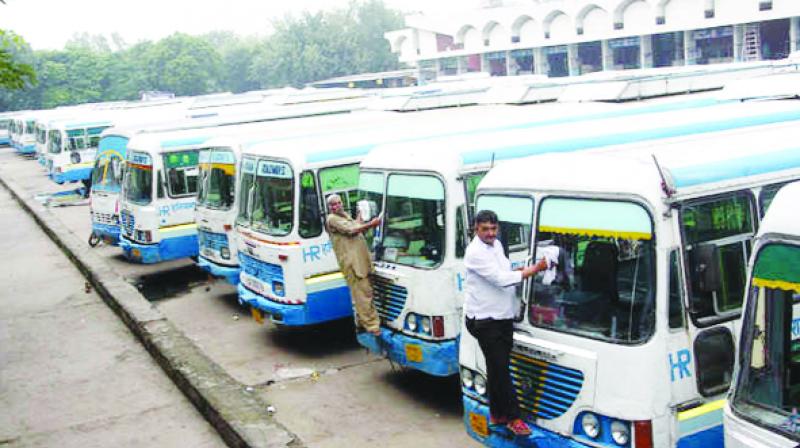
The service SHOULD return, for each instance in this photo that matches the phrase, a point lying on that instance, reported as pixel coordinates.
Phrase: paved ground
(326, 390)
(71, 374)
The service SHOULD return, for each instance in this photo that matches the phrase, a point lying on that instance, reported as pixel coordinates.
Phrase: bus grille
(211, 240)
(127, 222)
(266, 272)
(389, 299)
(106, 218)
(544, 390)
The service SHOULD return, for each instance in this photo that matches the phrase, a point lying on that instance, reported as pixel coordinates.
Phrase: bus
(106, 174)
(6, 120)
(761, 409)
(630, 339)
(419, 273)
(22, 132)
(71, 148)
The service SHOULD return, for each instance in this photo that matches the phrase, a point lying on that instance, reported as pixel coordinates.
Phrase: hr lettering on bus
(316, 252)
(680, 364)
(459, 281)
(165, 210)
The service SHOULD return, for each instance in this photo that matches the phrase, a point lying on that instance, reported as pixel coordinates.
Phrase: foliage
(15, 74)
(299, 50)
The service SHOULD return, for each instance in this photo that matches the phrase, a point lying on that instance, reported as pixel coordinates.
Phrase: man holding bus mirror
(352, 253)
(489, 307)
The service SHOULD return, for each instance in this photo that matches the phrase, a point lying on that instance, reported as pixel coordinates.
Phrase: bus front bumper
(26, 149)
(109, 233)
(5, 141)
(476, 421)
(72, 175)
(165, 250)
(321, 306)
(229, 273)
(433, 358)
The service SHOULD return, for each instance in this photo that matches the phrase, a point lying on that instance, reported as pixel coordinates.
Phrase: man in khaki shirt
(352, 253)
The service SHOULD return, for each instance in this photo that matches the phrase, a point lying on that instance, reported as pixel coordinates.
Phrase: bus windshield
(601, 282)
(181, 169)
(414, 222)
(217, 178)
(272, 197)
(107, 172)
(4, 124)
(139, 180)
(768, 389)
(54, 145)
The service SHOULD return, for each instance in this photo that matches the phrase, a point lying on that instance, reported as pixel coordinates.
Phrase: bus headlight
(425, 324)
(620, 432)
(225, 253)
(467, 380)
(480, 384)
(590, 425)
(411, 321)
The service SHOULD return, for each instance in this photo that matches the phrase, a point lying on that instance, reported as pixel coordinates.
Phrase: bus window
(718, 235)
(272, 198)
(414, 225)
(769, 386)
(139, 183)
(310, 217)
(217, 178)
(182, 172)
(93, 135)
(76, 139)
(342, 180)
(370, 189)
(246, 189)
(603, 284)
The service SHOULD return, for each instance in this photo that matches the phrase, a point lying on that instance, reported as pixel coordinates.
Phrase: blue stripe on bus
(184, 142)
(510, 152)
(736, 168)
(87, 124)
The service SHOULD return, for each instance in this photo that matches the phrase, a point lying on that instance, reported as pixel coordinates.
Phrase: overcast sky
(48, 24)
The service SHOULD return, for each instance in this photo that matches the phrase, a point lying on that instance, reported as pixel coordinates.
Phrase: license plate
(478, 424)
(257, 315)
(413, 352)
(136, 253)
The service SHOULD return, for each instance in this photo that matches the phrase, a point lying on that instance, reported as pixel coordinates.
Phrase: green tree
(182, 64)
(14, 73)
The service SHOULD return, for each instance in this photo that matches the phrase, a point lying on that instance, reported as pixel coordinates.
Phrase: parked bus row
(652, 207)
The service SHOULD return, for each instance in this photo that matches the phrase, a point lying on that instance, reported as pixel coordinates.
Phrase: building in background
(574, 37)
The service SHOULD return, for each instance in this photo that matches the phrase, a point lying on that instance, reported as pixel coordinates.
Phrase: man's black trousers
(496, 338)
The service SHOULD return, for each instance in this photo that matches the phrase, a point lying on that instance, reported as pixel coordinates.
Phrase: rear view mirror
(705, 267)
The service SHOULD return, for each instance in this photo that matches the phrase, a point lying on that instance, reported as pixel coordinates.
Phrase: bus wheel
(94, 240)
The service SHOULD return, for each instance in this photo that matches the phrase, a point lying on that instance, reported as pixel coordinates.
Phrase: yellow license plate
(257, 315)
(136, 253)
(413, 352)
(478, 424)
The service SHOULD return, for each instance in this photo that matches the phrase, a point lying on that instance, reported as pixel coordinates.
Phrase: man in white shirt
(489, 309)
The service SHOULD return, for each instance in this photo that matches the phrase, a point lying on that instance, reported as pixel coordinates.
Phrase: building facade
(574, 37)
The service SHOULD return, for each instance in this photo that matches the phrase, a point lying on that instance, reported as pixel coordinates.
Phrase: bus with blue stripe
(761, 409)
(629, 339)
(22, 135)
(6, 123)
(71, 148)
(420, 259)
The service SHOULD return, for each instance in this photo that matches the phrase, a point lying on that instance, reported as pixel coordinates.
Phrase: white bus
(71, 148)
(22, 132)
(630, 339)
(6, 120)
(419, 276)
(762, 407)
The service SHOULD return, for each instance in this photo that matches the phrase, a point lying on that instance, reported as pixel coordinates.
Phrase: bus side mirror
(705, 267)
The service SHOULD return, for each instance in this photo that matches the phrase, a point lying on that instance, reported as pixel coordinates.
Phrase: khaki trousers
(361, 295)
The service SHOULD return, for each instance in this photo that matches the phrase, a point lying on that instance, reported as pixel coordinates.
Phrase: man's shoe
(518, 427)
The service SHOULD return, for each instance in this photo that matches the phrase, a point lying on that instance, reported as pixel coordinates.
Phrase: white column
(689, 51)
(794, 34)
(539, 61)
(646, 50)
(738, 42)
(606, 55)
(573, 64)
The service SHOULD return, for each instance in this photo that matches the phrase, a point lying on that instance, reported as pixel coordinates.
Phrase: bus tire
(94, 240)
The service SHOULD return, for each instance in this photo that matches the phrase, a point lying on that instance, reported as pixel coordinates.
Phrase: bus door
(717, 236)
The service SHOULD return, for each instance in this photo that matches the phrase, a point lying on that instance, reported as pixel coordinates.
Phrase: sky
(48, 24)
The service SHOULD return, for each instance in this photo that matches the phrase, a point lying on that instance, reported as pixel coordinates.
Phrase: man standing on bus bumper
(489, 310)
(352, 254)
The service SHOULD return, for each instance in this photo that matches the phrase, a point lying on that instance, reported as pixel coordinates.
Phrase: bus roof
(730, 160)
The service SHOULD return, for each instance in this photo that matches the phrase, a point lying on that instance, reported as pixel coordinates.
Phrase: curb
(239, 416)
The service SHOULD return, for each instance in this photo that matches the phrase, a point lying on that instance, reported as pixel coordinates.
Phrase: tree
(182, 64)
(14, 74)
